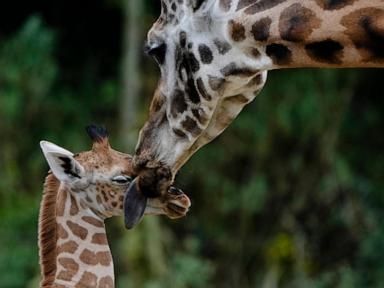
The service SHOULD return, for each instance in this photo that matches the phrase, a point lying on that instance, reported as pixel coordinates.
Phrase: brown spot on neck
(103, 258)
(261, 29)
(93, 221)
(74, 207)
(236, 30)
(67, 247)
(106, 282)
(297, 23)
(70, 266)
(61, 232)
(77, 230)
(334, 4)
(88, 279)
(100, 239)
(365, 28)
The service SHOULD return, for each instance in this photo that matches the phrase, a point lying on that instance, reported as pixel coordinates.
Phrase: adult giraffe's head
(204, 84)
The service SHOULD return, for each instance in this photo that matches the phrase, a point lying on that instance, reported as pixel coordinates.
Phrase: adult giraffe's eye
(157, 52)
(121, 179)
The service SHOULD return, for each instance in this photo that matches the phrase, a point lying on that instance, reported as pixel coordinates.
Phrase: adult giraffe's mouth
(174, 204)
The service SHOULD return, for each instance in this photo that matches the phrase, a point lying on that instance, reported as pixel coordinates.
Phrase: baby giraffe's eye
(121, 179)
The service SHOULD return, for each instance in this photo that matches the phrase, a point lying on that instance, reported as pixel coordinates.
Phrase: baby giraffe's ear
(61, 162)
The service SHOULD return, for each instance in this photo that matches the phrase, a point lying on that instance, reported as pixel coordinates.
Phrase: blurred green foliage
(291, 195)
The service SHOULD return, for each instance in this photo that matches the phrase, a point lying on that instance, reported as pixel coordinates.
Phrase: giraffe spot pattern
(262, 5)
(178, 103)
(179, 133)
(200, 115)
(191, 90)
(61, 233)
(62, 199)
(104, 258)
(183, 39)
(365, 28)
(106, 282)
(71, 268)
(100, 239)
(201, 88)
(91, 258)
(222, 46)
(74, 208)
(190, 125)
(334, 4)
(216, 83)
(192, 62)
(279, 53)
(65, 275)
(254, 53)
(68, 247)
(206, 55)
(105, 197)
(327, 51)
(255, 81)
(88, 279)
(233, 70)
(77, 230)
(297, 23)
(260, 29)
(236, 31)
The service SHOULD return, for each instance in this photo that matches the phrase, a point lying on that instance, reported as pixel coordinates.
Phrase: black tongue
(134, 205)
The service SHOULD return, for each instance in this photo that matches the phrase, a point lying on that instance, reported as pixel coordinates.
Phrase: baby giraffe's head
(99, 180)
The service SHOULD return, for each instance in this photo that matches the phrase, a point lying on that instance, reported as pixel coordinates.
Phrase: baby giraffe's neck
(74, 251)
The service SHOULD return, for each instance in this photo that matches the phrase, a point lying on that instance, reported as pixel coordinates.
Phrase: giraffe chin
(134, 205)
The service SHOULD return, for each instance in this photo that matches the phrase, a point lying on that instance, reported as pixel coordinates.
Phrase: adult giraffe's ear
(61, 162)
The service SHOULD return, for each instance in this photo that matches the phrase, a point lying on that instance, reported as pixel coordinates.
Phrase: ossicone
(99, 135)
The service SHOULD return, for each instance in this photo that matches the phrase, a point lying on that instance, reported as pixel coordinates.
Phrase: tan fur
(48, 231)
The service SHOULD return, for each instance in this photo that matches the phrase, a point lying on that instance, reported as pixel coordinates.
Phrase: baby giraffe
(80, 192)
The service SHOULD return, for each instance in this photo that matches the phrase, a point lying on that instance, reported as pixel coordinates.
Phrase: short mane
(48, 230)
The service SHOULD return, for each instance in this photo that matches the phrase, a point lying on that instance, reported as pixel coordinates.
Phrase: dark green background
(291, 195)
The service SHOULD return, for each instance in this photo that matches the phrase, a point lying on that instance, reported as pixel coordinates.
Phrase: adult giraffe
(214, 56)
(79, 194)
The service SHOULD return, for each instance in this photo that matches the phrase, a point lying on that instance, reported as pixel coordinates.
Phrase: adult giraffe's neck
(316, 33)
(74, 251)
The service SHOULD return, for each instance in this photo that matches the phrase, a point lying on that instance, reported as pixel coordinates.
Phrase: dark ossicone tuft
(97, 133)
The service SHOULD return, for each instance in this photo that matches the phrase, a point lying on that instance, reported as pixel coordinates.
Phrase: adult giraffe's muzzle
(173, 203)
